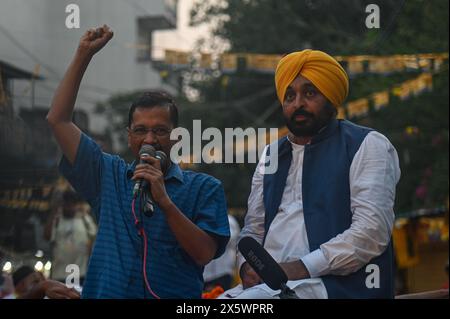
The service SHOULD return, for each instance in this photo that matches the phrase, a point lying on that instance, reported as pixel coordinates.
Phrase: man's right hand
(248, 276)
(95, 39)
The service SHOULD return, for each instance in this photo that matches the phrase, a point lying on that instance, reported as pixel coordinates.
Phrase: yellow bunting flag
(176, 57)
(205, 60)
(355, 65)
(380, 99)
(358, 107)
(229, 62)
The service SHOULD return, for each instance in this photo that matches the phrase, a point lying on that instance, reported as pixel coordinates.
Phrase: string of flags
(28, 198)
(357, 108)
(379, 100)
(266, 63)
(428, 64)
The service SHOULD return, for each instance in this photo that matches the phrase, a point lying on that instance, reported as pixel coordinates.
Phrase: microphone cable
(141, 232)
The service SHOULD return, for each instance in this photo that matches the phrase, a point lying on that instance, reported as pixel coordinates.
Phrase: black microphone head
(263, 264)
(148, 150)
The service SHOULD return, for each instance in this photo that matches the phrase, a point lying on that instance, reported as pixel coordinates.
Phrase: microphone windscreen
(147, 149)
(263, 264)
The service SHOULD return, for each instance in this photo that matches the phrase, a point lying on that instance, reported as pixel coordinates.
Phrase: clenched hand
(95, 39)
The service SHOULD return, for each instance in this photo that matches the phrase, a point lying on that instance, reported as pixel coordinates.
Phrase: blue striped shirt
(115, 266)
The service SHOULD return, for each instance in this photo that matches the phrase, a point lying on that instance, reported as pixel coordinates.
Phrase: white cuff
(316, 264)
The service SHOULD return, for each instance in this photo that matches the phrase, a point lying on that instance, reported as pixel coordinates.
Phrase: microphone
(265, 266)
(149, 150)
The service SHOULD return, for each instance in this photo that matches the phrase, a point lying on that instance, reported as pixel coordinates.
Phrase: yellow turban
(322, 70)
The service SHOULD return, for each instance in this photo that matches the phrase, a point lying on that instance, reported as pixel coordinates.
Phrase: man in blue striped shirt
(137, 255)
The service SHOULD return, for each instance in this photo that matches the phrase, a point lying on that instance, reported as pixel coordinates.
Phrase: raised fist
(95, 39)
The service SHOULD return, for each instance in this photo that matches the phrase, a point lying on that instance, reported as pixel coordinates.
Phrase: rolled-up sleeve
(373, 176)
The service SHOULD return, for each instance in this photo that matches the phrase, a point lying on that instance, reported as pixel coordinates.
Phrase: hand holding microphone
(265, 266)
(149, 175)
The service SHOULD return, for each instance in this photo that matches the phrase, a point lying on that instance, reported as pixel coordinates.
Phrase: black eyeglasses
(142, 131)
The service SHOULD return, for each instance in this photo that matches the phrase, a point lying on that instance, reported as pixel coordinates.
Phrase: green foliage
(423, 155)
(272, 26)
(337, 27)
(421, 27)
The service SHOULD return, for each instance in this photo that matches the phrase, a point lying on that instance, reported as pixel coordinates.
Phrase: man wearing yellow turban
(326, 214)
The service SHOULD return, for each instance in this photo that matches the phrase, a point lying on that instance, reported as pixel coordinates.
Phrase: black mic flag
(265, 266)
(261, 261)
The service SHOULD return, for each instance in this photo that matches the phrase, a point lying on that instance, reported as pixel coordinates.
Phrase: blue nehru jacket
(115, 266)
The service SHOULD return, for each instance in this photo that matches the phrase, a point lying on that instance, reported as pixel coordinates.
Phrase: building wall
(34, 33)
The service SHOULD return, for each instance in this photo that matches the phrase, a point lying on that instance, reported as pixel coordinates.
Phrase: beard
(312, 123)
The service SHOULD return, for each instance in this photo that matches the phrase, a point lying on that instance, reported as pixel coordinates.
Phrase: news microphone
(149, 204)
(265, 266)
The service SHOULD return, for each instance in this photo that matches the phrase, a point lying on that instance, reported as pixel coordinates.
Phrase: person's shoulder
(371, 133)
(350, 126)
(89, 143)
(356, 134)
(376, 136)
(115, 163)
(118, 161)
(377, 142)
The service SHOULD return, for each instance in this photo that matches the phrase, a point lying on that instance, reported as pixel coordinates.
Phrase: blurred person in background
(71, 231)
(31, 284)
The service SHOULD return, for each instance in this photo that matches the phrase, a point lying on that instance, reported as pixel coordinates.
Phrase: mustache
(301, 112)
